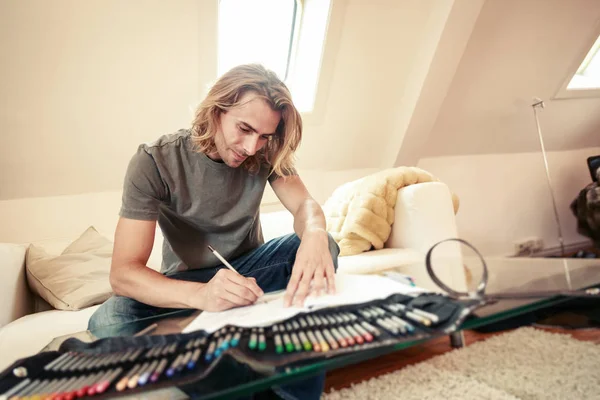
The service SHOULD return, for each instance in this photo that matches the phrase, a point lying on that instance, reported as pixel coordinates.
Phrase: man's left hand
(313, 265)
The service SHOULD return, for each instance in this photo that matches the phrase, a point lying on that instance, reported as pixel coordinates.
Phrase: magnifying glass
(446, 254)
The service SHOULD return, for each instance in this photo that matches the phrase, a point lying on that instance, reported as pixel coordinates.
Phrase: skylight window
(286, 36)
(588, 73)
(256, 31)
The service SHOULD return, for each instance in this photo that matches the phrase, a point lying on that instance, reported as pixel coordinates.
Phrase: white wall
(505, 197)
(64, 218)
(83, 83)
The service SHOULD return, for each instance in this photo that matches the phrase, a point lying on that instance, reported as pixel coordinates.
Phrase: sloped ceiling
(519, 50)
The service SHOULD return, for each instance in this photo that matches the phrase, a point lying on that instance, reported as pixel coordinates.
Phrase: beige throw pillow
(76, 279)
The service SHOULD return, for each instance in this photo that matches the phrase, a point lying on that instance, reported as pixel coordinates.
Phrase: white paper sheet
(350, 289)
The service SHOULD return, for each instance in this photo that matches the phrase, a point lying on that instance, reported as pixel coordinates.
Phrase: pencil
(220, 257)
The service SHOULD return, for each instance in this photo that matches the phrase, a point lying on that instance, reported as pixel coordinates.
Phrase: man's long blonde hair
(225, 95)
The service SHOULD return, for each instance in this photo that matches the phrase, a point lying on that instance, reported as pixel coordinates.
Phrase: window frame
(563, 92)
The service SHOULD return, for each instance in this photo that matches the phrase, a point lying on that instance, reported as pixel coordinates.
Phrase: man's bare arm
(313, 258)
(130, 277)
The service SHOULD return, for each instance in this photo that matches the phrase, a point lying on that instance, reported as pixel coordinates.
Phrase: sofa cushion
(376, 261)
(14, 294)
(77, 278)
(31, 333)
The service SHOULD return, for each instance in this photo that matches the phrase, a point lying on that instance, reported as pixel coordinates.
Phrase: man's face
(244, 130)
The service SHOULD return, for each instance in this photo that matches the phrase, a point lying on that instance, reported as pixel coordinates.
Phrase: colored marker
(159, 370)
(357, 336)
(136, 354)
(236, 339)
(253, 340)
(194, 359)
(33, 391)
(338, 337)
(30, 389)
(296, 341)
(122, 384)
(368, 337)
(59, 389)
(388, 327)
(168, 349)
(336, 334)
(330, 339)
(226, 341)
(174, 364)
(347, 335)
(407, 327)
(262, 343)
(104, 384)
(315, 343)
(311, 321)
(210, 352)
(85, 385)
(397, 322)
(303, 322)
(295, 325)
(56, 361)
(219, 347)
(84, 366)
(432, 317)
(90, 388)
(45, 391)
(289, 347)
(379, 311)
(322, 341)
(134, 379)
(374, 331)
(71, 392)
(278, 344)
(67, 365)
(184, 361)
(305, 342)
(145, 374)
(64, 390)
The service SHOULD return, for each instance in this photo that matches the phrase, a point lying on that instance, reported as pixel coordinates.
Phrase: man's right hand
(228, 289)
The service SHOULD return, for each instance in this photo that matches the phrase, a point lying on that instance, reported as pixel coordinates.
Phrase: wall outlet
(529, 246)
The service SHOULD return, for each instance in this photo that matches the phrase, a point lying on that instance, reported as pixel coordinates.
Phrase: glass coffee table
(231, 379)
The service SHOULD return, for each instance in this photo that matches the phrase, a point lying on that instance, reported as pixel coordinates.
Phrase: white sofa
(424, 215)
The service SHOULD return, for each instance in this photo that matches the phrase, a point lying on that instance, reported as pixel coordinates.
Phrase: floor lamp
(538, 104)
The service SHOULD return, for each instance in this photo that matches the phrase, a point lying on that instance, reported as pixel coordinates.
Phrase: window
(256, 31)
(286, 36)
(588, 73)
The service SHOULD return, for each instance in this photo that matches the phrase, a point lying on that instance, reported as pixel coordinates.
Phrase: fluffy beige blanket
(360, 213)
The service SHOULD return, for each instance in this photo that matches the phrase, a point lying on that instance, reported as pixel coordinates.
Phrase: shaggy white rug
(523, 364)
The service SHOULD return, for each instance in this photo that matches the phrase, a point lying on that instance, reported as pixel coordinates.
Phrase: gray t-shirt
(197, 202)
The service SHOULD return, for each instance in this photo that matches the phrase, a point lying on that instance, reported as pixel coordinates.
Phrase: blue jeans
(270, 264)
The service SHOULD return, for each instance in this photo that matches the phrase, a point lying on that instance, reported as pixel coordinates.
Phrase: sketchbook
(350, 289)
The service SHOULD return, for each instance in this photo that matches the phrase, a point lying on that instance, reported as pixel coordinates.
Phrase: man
(204, 187)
